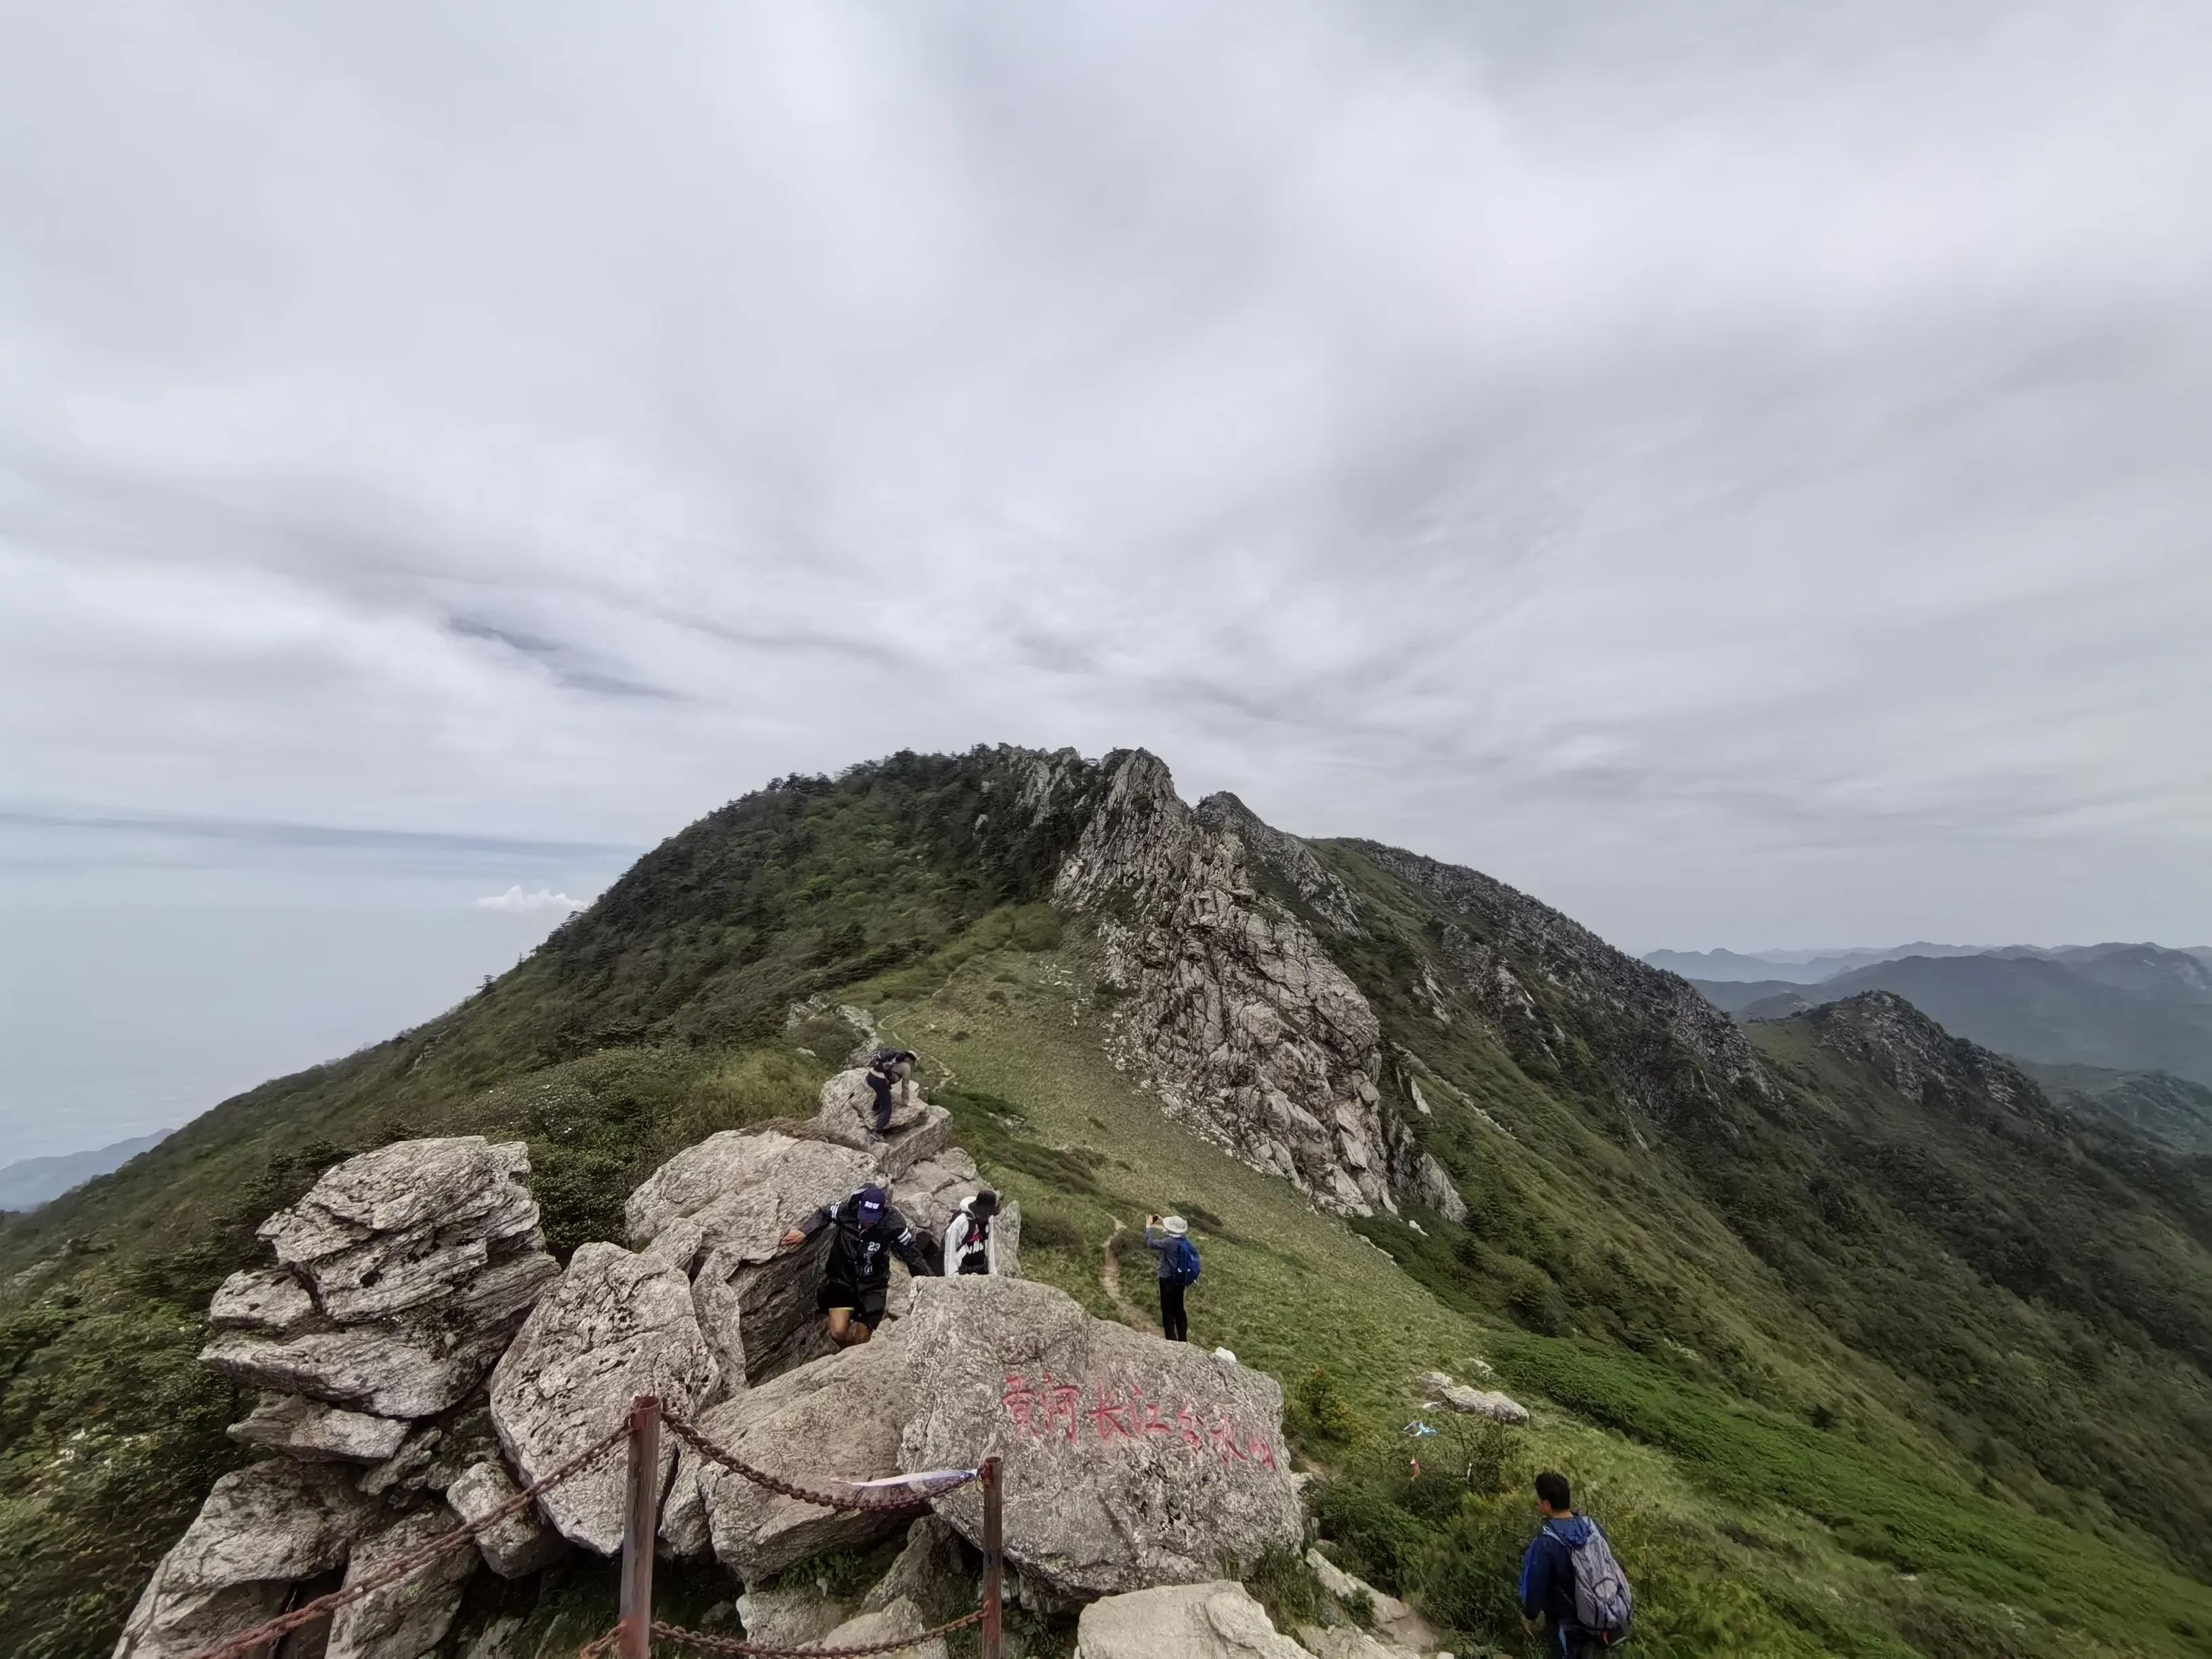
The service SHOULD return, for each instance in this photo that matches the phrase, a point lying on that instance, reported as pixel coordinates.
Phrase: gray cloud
(1735, 471)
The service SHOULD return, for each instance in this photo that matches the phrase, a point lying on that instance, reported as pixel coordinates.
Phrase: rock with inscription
(1214, 1619)
(408, 1618)
(615, 1326)
(515, 1545)
(837, 1420)
(315, 1432)
(262, 1529)
(1130, 1461)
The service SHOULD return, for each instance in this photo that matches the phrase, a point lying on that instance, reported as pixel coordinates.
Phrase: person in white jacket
(971, 1243)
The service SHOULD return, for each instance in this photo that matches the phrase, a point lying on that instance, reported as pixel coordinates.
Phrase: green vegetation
(1851, 1370)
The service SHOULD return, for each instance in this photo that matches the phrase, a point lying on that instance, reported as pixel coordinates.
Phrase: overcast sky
(1740, 472)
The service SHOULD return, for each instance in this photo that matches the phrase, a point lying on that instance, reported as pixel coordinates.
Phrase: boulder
(309, 1430)
(261, 1529)
(1392, 1619)
(265, 1300)
(1480, 1402)
(387, 1369)
(1129, 1462)
(400, 1226)
(516, 1546)
(847, 1115)
(836, 1419)
(614, 1326)
(742, 1192)
(797, 1617)
(408, 1618)
(927, 1572)
(1216, 1620)
(900, 1621)
(683, 1535)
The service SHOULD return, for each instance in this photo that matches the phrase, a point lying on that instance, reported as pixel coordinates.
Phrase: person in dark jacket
(1173, 1246)
(890, 1068)
(1547, 1572)
(857, 1278)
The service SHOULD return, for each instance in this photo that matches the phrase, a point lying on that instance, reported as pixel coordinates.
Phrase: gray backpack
(1604, 1605)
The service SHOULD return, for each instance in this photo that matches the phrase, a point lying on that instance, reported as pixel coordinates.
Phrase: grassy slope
(1750, 1531)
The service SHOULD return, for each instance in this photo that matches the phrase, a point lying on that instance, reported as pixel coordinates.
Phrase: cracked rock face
(408, 1618)
(1130, 1461)
(613, 1327)
(836, 1419)
(400, 1277)
(260, 1529)
(309, 1430)
(1252, 1034)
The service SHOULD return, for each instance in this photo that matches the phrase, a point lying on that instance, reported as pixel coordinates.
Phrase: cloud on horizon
(1735, 471)
(515, 902)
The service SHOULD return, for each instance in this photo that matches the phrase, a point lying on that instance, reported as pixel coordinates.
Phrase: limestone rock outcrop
(847, 1115)
(309, 1430)
(1248, 1029)
(400, 1277)
(1130, 1461)
(1213, 1620)
(1394, 1620)
(837, 1419)
(899, 1621)
(616, 1325)
(515, 1547)
(409, 1617)
(262, 1528)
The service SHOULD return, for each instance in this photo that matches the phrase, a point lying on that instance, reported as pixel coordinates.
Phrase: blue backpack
(1183, 1262)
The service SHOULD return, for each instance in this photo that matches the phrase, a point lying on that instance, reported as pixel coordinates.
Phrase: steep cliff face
(1247, 1028)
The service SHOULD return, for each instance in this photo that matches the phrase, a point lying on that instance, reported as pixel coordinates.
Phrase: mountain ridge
(1937, 1348)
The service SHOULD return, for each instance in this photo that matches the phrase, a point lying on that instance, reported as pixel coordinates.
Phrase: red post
(993, 1555)
(641, 1525)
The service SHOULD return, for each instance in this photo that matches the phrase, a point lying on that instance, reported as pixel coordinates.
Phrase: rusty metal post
(641, 1525)
(994, 1558)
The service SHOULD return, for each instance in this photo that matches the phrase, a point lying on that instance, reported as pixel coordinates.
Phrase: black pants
(1173, 1325)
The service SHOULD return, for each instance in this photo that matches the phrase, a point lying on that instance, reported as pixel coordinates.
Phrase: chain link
(444, 1544)
(750, 1650)
(908, 1498)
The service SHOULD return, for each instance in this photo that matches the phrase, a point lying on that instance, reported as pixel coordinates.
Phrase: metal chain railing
(445, 1544)
(754, 1650)
(640, 1428)
(906, 1496)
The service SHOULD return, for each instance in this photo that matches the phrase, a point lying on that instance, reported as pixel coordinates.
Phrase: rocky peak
(1235, 1011)
(1288, 857)
(1881, 1030)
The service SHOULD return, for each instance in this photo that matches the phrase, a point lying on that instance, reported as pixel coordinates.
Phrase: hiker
(858, 1276)
(887, 1068)
(971, 1243)
(1569, 1581)
(1178, 1271)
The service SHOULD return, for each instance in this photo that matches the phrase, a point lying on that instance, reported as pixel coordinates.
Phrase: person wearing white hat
(1178, 1271)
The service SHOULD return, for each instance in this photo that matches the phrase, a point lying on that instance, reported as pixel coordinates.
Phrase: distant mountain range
(2130, 1010)
(1792, 967)
(31, 1182)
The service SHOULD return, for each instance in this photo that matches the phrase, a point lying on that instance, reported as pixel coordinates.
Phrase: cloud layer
(1735, 471)
(515, 902)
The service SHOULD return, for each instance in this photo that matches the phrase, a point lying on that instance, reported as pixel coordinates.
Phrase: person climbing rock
(1570, 1583)
(971, 1243)
(1178, 1271)
(858, 1277)
(888, 1068)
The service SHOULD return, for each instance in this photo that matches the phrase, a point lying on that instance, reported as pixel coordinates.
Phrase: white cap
(1175, 1226)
